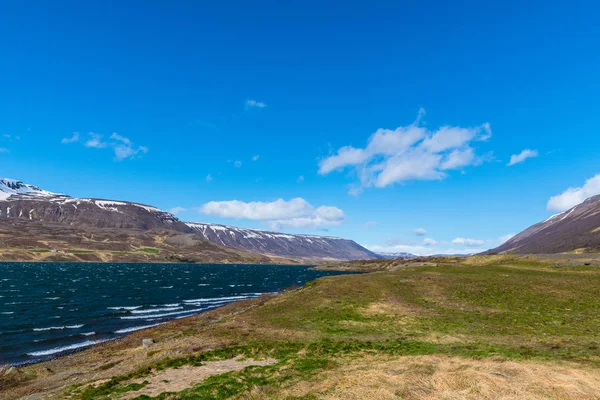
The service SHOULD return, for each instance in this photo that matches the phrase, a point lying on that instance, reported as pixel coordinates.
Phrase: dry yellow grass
(390, 307)
(449, 378)
(176, 380)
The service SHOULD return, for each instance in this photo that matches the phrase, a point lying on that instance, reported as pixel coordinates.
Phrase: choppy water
(47, 309)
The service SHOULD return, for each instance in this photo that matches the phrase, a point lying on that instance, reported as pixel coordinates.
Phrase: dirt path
(178, 379)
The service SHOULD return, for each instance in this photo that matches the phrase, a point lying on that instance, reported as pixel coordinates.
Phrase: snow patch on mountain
(13, 187)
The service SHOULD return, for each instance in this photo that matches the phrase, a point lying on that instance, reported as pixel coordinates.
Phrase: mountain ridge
(23, 201)
(280, 244)
(574, 230)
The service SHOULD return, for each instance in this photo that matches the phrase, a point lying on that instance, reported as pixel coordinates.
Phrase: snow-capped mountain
(282, 244)
(395, 255)
(12, 187)
(575, 229)
(26, 202)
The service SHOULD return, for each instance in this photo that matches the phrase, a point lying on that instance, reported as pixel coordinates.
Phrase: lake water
(48, 309)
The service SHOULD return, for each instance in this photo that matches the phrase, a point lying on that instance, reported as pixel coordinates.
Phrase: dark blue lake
(47, 309)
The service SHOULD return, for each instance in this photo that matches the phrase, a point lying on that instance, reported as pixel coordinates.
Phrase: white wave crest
(66, 348)
(137, 328)
(197, 310)
(56, 328)
(219, 299)
(155, 310)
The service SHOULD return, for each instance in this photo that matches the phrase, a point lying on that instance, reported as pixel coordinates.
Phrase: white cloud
(295, 213)
(280, 208)
(505, 238)
(256, 157)
(415, 164)
(119, 138)
(255, 104)
(72, 139)
(420, 232)
(237, 164)
(177, 210)
(429, 242)
(95, 141)
(448, 138)
(421, 250)
(459, 159)
(522, 156)
(209, 178)
(468, 242)
(429, 246)
(408, 153)
(345, 156)
(125, 151)
(122, 147)
(300, 179)
(574, 196)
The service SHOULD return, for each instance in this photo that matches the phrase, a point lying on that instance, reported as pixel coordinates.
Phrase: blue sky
(194, 105)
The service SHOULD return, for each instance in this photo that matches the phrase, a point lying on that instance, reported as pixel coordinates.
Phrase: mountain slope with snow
(26, 202)
(13, 187)
(282, 244)
(577, 229)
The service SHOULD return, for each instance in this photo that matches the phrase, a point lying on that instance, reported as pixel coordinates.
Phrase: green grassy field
(479, 313)
(151, 250)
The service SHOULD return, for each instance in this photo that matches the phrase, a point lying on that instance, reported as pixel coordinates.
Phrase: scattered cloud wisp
(522, 156)
(72, 139)
(505, 238)
(255, 104)
(177, 210)
(122, 147)
(468, 242)
(429, 242)
(95, 141)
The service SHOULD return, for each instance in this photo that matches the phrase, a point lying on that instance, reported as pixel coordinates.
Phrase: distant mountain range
(392, 256)
(22, 202)
(575, 230)
(282, 244)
